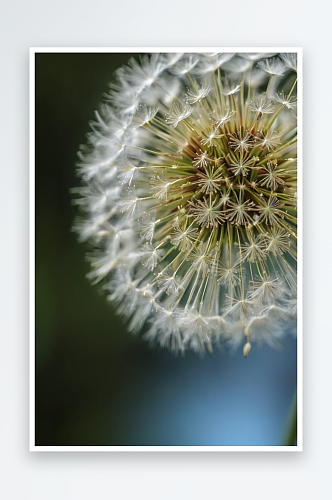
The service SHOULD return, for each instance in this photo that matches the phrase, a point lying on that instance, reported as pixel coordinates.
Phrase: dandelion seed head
(188, 198)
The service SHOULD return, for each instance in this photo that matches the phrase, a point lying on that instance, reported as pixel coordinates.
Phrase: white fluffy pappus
(188, 182)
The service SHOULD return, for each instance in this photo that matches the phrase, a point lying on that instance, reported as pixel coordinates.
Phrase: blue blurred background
(95, 383)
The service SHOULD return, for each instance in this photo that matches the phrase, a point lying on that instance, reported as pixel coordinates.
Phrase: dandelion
(188, 198)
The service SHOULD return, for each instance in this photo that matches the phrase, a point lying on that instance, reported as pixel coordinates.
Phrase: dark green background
(95, 383)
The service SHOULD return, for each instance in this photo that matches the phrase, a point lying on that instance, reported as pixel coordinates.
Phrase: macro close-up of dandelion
(164, 220)
(188, 198)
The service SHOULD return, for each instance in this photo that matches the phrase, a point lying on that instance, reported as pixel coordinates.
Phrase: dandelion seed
(270, 211)
(246, 349)
(210, 180)
(183, 238)
(252, 56)
(275, 67)
(207, 212)
(150, 256)
(278, 241)
(269, 140)
(222, 119)
(160, 187)
(166, 328)
(230, 89)
(127, 172)
(212, 62)
(254, 249)
(211, 134)
(197, 330)
(201, 160)
(184, 66)
(225, 198)
(203, 260)
(229, 276)
(238, 65)
(290, 60)
(129, 206)
(239, 213)
(171, 59)
(144, 115)
(241, 141)
(261, 105)
(241, 165)
(143, 74)
(239, 309)
(267, 290)
(177, 113)
(271, 179)
(193, 96)
(289, 102)
(169, 283)
(147, 225)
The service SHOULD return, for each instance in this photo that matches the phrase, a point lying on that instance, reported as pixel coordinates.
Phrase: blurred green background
(95, 383)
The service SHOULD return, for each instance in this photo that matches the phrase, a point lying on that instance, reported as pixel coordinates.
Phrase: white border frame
(33, 51)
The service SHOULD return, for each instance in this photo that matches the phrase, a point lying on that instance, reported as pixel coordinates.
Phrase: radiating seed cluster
(189, 197)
